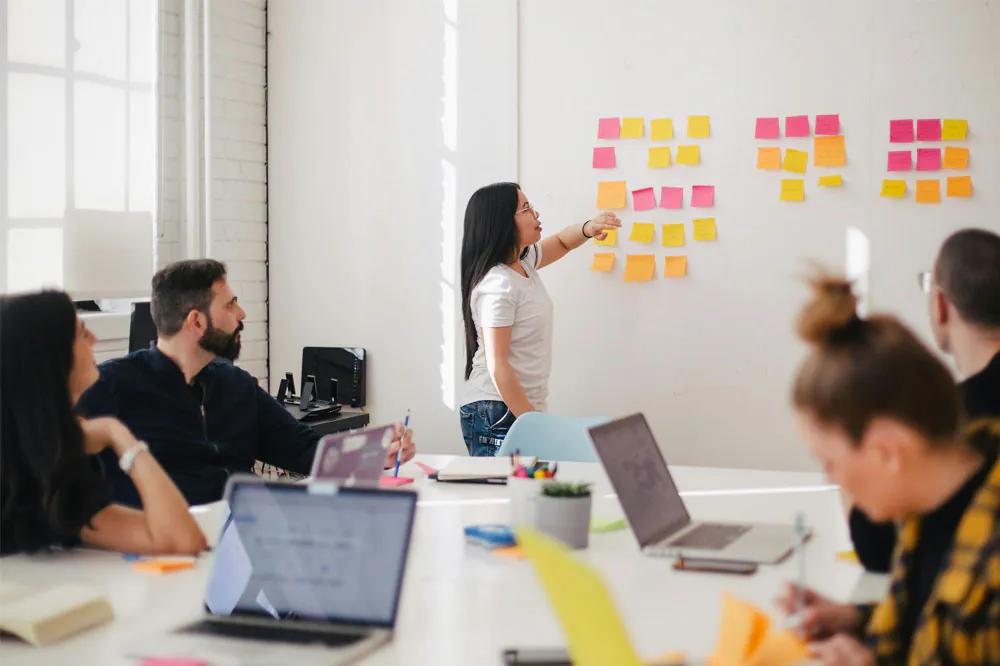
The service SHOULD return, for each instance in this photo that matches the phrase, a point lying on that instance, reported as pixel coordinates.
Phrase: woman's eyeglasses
(528, 208)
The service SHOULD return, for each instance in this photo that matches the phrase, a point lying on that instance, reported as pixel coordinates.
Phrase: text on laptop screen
(290, 553)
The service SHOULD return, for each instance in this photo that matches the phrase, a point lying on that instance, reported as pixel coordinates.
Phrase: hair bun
(833, 309)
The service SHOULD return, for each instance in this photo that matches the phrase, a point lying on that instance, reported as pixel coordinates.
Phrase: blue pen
(406, 423)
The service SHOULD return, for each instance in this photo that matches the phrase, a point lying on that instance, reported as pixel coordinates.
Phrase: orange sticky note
(960, 186)
(661, 129)
(669, 659)
(640, 267)
(658, 157)
(612, 194)
(741, 628)
(610, 240)
(510, 553)
(894, 189)
(603, 262)
(631, 128)
(676, 267)
(673, 235)
(778, 649)
(829, 151)
(690, 155)
(769, 158)
(704, 229)
(955, 158)
(162, 566)
(795, 160)
(928, 191)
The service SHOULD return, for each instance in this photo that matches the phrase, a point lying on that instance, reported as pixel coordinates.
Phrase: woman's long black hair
(490, 238)
(48, 489)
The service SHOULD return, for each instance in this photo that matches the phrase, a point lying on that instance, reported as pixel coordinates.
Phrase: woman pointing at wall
(507, 311)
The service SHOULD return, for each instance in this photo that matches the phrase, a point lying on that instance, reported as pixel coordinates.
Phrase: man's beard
(220, 343)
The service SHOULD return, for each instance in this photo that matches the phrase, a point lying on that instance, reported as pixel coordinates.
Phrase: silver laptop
(353, 458)
(302, 575)
(656, 512)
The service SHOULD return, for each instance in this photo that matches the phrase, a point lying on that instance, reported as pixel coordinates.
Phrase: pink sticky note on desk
(928, 159)
(643, 199)
(394, 481)
(929, 129)
(901, 131)
(900, 160)
(828, 125)
(796, 126)
(703, 196)
(609, 128)
(604, 158)
(767, 128)
(427, 468)
(671, 197)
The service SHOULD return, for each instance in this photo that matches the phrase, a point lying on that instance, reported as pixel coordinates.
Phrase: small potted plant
(563, 512)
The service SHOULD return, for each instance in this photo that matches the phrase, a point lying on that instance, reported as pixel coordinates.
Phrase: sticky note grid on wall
(829, 150)
(929, 159)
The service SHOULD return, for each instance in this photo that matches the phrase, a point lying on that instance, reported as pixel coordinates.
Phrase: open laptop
(656, 512)
(353, 458)
(302, 575)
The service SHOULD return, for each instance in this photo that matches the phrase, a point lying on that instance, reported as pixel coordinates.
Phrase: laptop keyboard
(274, 634)
(710, 536)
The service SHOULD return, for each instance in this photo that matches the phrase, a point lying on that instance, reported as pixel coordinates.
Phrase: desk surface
(461, 605)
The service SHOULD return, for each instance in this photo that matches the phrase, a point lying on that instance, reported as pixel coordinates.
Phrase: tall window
(80, 145)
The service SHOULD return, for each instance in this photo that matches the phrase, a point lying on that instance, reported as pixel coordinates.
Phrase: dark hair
(180, 288)
(490, 238)
(860, 369)
(968, 271)
(49, 489)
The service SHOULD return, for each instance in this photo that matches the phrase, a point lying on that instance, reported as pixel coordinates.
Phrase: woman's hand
(105, 431)
(842, 650)
(599, 226)
(821, 617)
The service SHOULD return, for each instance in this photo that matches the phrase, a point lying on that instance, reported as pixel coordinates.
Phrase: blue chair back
(552, 437)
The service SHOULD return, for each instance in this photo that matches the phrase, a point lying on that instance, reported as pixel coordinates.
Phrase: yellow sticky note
(793, 189)
(848, 556)
(954, 130)
(895, 189)
(612, 194)
(704, 229)
(960, 186)
(640, 267)
(795, 160)
(778, 649)
(658, 157)
(610, 240)
(673, 235)
(831, 181)
(955, 158)
(928, 191)
(642, 232)
(698, 127)
(603, 262)
(742, 628)
(631, 128)
(769, 158)
(829, 151)
(676, 267)
(661, 129)
(593, 627)
(688, 155)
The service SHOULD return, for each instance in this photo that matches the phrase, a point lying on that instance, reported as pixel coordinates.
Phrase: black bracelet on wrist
(583, 230)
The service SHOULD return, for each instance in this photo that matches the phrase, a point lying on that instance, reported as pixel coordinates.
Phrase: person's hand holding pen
(402, 443)
(819, 617)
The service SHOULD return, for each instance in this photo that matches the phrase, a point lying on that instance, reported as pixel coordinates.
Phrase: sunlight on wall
(449, 221)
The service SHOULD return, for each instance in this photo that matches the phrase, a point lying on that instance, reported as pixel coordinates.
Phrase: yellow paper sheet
(955, 158)
(640, 267)
(603, 262)
(831, 181)
(675, 267)
(960, 186)
(778, 649)
(631, 128)
(611, 240)
(895, 189)
(688, 155)
(698, 127)
(795, 160)
(954, 130)
(928, 191)
(658, 157)
(704, 229)
(769, 158)
(829, 151)
(661, 129)
(642, 232)
(673, 235)
(612, 194)
(595, 634)
(793, 189)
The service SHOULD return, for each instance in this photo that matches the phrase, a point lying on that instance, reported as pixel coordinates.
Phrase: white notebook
(481, 469)
(42, 618)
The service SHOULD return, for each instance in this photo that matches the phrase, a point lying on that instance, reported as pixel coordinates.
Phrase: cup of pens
(524, 487)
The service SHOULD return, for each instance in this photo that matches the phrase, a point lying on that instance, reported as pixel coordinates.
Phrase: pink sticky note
(703, 196)
(394, 481)
(900, 160)
(604, 158)
(427, 468)
(643, 199)
(928, 129)
(767, 128)
(797, 126)
(609, 128)
(671, 197)
(928, 159)
(901, 131)
(828, 125)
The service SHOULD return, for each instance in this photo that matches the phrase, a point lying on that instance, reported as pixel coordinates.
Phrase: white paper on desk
(471, 468)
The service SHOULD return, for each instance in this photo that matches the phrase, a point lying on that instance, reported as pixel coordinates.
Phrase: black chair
(141, 331)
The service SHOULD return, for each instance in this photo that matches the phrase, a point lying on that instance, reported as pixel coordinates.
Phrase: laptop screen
(351, 458)
(327, 554)
(639, 474)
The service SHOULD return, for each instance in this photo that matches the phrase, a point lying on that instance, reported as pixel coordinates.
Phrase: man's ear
(196, 321)
(941, 307)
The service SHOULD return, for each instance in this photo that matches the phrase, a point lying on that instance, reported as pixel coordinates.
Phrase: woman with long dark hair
(507, 312)
(52, 493)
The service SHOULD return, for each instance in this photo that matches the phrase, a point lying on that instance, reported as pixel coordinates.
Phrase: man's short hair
(181, 287)
(968, 271)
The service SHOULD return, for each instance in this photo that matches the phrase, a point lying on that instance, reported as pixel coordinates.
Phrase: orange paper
(510, 553)
(612, 194)
(769, 158)
(928, 191)
(162, 566)
(741, 628)
(829, 151)
(676, 267)
(640, 267)
(603, 262)
(955, 158)
(960, 186)
(777, 649)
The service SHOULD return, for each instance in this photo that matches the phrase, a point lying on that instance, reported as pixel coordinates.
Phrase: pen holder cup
(565, 518)
(524, 495)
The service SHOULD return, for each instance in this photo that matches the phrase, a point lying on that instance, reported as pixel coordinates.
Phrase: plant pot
(565, 518)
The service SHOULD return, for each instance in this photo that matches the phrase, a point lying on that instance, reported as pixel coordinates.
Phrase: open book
(42, 618)
(481, 469)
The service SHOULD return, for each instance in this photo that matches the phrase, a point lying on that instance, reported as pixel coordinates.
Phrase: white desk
(461, 605)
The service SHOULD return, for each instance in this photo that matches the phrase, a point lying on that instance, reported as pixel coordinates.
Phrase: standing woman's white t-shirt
(503, 298)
